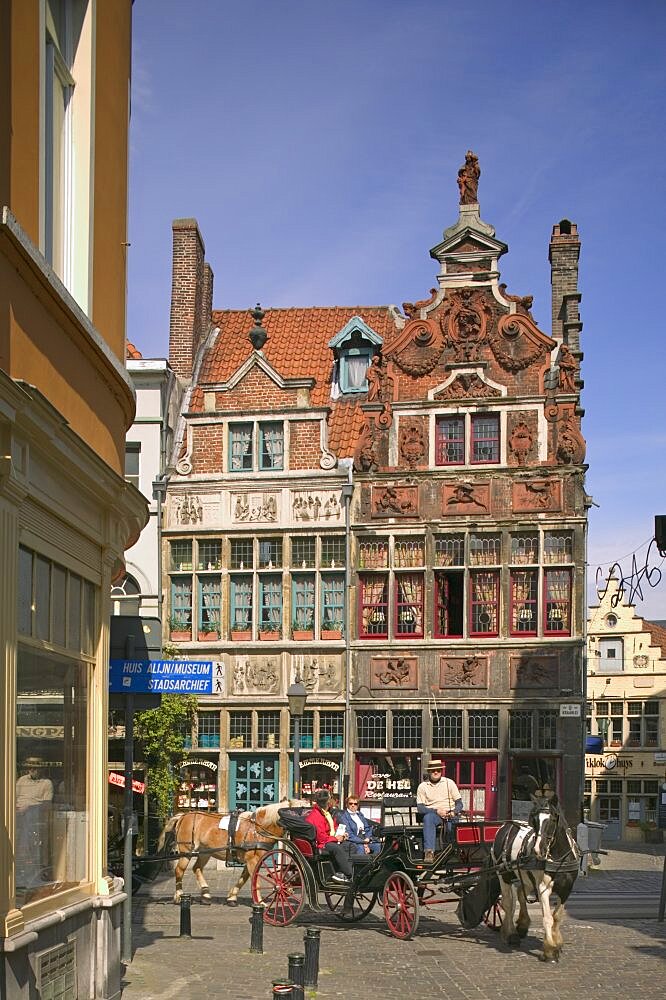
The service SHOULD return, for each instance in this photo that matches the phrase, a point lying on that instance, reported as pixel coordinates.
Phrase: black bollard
(186, 915)
(283, 988)
(296, 972)
(257, 925)
(311, 970)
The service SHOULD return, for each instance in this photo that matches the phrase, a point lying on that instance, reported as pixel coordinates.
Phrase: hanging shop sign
(119, 780)
(610, 762)
(161, 676)
(333, 765)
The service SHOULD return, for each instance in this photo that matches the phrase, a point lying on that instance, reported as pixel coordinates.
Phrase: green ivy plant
(160, 744)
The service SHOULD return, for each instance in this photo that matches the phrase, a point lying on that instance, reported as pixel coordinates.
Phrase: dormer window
(355, 346)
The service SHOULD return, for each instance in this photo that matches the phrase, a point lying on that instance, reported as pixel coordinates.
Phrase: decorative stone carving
(395, 501)
(568, 369)
(468, 386)
(534, 671)
(418, 348)
(465, 321)
(518, 343)
(254, 506)
(394, 672)
(466, 498)
(570, 442)
(463, 672)
(381, 384)
(468, 179)
(537, 494)
(364, 452)
(521, 442)
(523, 302)
(316, 506)
(260, 675)
(318, 675)
(188, 510)
(412, 309)
(412, 440)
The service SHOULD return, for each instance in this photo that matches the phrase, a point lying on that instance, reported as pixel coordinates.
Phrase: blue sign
(161, 676)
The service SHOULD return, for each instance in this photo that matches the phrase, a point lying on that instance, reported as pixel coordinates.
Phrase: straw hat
(435, 765)
(34, 762)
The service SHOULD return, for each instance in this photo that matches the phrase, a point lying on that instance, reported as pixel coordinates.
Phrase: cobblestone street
(613, 944)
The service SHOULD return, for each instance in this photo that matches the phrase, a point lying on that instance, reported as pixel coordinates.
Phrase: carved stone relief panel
(395, 501)
(255, 507)
(468, 385)
(397, 672)
(535, 671)
(256, 674)
(412, 438)
(192, 509)
(463, 671)
(466, 498)
(537, 494)
(522, 438)
(319, 674)
(316, 505)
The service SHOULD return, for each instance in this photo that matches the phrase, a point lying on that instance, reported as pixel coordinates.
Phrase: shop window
(241, 603)
(270, 603)
(208, 728)
(447, 730)
(373, 553)
(449, 604)
(523, 597)
(374, 607)
(268, 730)
(333, 551)
(303, 552)
(306, 735)
(520, 730)
(407, 730)
(409, 552)
(331, 730)
(529, 775)
(483, 730)
(240, 730)
(547, 729)
(558, 547)
(524, 549)
(484, 604)
(557, 591)
(52, 810)
(198, 787)
(485, 550)
(409, 605)
(252, 782)
(371, 730)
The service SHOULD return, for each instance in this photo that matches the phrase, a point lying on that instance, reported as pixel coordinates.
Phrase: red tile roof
(297, 344)
(132, 353)
(658, 633)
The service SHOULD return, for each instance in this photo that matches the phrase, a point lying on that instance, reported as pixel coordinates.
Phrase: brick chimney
(191, 296)
(563, 255)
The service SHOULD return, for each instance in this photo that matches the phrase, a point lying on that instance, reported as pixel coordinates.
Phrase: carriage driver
(437, 800)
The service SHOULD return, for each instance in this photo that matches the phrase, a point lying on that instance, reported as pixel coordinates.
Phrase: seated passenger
(359, 829)
(326, 839)
(438, 800)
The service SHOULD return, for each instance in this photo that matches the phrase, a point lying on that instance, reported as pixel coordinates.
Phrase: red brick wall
(256, 392)
(187, 296)
(208, 448)
(304, 447)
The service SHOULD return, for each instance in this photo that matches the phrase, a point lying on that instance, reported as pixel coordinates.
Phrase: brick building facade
(390, 505)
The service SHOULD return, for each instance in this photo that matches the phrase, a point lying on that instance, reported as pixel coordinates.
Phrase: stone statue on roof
(468, 179)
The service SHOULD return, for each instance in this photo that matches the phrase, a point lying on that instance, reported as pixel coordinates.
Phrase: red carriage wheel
(401, 905)
(278, 883)
(350, 905)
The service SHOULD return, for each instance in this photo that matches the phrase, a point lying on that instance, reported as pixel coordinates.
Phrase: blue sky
(318, 144)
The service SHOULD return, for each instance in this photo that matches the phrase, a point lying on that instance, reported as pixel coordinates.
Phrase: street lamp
(297, 696)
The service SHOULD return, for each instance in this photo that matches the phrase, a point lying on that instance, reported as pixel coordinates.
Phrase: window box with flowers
(331, 630)
(180, 629)
(270, 630)
(241, 634)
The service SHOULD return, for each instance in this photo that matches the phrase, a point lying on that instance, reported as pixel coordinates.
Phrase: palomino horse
(538, 857)
(206, 835)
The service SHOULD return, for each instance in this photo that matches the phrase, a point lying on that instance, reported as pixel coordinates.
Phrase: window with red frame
(450, 441)
(373, 618)
(484, 604)
(524, 599)
(557, 600)
(449, 588)
(485, 438)
(409, 604)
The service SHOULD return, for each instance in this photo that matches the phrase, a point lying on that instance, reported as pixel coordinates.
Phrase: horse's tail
(169, 828)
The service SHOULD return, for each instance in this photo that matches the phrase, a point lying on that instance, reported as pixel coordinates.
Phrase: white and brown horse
(206, 835)
(536, 858)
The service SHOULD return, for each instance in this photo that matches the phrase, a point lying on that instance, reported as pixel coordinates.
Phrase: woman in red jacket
(327, 839)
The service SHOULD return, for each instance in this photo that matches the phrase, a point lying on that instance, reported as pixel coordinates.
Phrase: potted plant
(651, 833)
(180, 628)
(270, 630)
(241, 631)
(331, 629)
(303, 628)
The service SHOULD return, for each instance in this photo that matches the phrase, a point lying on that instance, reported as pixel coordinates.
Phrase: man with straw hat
(34, 796)
(438, 800)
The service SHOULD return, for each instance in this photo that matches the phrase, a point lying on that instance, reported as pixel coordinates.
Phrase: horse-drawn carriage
(476, 865)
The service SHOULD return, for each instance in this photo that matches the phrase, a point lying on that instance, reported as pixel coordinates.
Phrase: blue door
(253, 781)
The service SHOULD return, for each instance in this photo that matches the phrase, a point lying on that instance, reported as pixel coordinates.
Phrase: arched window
(126, 597)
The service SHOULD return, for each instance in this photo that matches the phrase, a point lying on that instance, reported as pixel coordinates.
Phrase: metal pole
(296, 972)
(297, 763)
(347, 492)
(126, 956)
(282, 988)
(311, 970)
(186, 915)
(662, 898)
(257, 933)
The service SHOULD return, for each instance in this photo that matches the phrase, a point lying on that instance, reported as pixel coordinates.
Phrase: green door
(254, 781)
